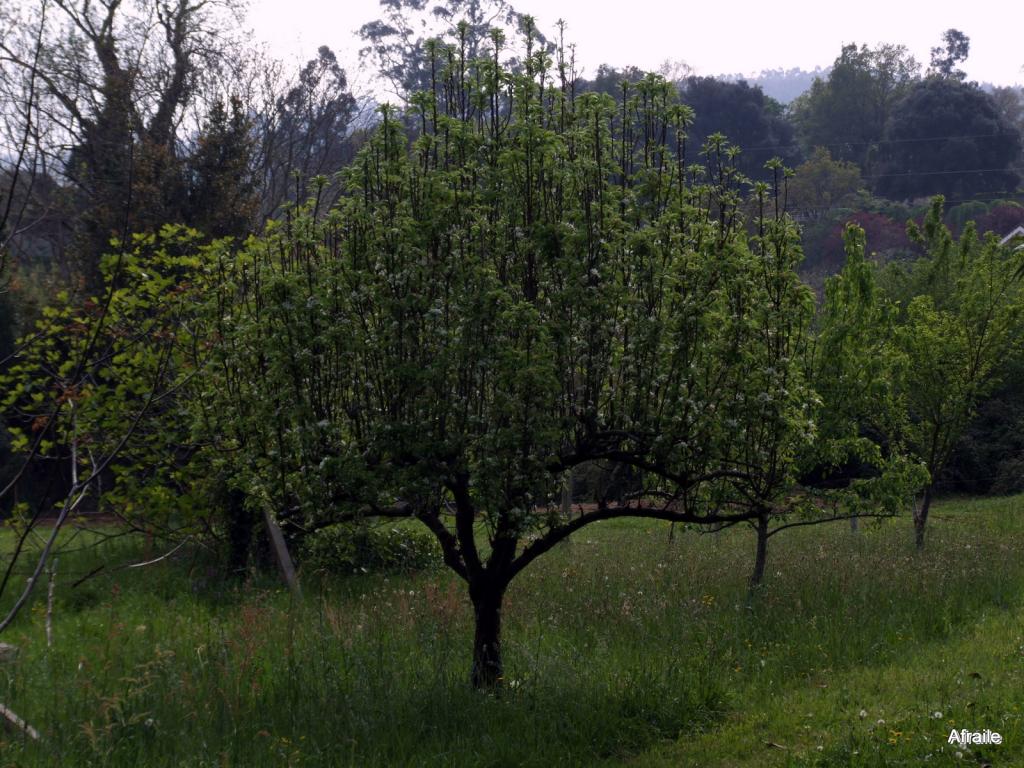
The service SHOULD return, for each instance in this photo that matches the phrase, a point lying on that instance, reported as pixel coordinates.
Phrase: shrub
(362, 549)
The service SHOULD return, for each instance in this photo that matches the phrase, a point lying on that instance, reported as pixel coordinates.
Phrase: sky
(712, 37)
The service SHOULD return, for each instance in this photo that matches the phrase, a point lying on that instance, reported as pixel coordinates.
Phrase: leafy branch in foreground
(95, 395)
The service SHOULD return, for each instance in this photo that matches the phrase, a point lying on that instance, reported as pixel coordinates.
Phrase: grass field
(621, 648)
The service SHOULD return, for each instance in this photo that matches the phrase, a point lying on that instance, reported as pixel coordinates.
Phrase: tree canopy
(740, 111)
(847, 111)
(947, 137)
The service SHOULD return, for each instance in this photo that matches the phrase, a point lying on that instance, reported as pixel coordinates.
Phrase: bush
(958, 216)
(364, 549)
(1009, 476)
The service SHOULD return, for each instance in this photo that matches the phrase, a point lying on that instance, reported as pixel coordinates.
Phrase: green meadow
(626, 646)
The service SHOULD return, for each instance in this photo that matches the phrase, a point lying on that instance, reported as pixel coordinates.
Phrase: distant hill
(783, 85)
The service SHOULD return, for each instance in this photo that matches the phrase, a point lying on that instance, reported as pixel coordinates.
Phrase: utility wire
(878, 142)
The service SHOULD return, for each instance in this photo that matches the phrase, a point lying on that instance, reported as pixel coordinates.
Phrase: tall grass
(615, 643)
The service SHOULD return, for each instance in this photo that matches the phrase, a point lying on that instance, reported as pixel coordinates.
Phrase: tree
(947, 137)
(94, 391)
(955, 48)
(1010, 105)
(960, 325)
(221, 185)
(608, 79)
(751, 120)
(396, 43)
(523, 293)
(24, 132)
(307, 133)
(813, 439)
(847, 112)
(772, 430)
(103, 95)
(820, 183)
(119, 80)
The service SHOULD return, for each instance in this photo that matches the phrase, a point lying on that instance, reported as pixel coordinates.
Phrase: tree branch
(833, 519)
(558, 533)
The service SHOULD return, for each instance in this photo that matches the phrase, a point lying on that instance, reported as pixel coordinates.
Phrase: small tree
(813, 438)
(822, 183)
(960, 325)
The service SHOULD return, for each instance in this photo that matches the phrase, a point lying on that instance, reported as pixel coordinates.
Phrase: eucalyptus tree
(541, 282)
(305, 133)
(956, 46)
(396, 41)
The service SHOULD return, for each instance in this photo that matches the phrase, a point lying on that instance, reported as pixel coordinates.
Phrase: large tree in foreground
(540, 283)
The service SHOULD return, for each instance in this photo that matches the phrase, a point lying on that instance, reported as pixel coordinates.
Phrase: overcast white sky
(713, 37)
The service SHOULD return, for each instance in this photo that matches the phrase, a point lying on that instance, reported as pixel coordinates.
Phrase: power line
(989, 196)
(878, 142)
(1011, 168)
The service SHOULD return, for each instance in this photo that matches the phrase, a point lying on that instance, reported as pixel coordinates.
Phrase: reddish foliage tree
(1002, 219)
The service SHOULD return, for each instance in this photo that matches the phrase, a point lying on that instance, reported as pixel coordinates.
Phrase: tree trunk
(488, 671)
(921, 518)
(853, 524)
(281, 553)
(762, 551)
